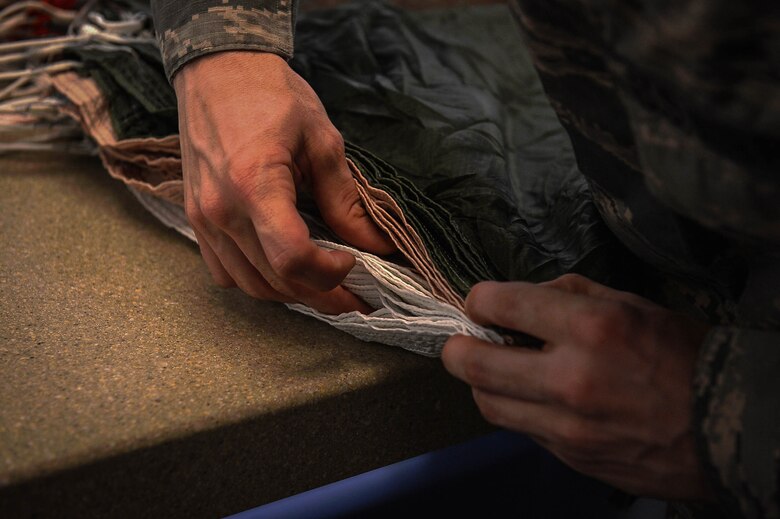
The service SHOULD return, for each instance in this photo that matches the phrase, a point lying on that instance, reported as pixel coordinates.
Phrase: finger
(200, 228)
(284, 235)
(577, 284)
(550, 424)
(515, 372)
(335, 301)
(337, 196)
(240, 269)
(218, 272)
(540, 311)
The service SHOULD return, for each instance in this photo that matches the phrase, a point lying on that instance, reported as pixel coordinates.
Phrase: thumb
(338, 199)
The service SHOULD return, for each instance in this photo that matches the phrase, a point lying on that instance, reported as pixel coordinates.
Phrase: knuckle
(288, 264)
(569, 280)
(331, 149)
(245, 174)
(272, 155)
(334, 142)
(578, 391)
(347, 199)
(216, 209)
(594, 326)
(614, 322)
(243, 180)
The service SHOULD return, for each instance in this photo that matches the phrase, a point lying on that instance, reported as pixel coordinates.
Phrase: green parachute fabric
(451, 99)
(444, 111)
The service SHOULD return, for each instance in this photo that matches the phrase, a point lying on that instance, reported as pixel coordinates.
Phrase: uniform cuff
(191, 30)
(736, 417)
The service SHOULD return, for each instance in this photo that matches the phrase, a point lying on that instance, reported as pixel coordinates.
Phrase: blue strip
(402, 479)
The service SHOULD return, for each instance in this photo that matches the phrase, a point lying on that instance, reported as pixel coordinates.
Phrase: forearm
(189, 29)
(737, 417)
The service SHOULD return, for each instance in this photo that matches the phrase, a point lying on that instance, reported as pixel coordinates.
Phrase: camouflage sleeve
(189, 29)
(737, 417)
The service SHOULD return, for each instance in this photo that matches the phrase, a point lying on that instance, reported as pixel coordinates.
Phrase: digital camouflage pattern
(187, 30)
(673, 110)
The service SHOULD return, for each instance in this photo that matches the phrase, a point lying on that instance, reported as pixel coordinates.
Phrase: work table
(131, 385)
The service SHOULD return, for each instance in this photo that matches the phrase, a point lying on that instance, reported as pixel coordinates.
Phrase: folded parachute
(453, 146)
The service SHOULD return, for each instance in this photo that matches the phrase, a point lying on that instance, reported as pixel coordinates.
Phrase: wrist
(227, 67)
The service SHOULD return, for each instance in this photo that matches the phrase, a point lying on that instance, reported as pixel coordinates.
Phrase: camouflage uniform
(187, 30)
(673, 109)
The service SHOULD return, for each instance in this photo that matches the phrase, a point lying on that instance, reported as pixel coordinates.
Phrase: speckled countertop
(131, 386)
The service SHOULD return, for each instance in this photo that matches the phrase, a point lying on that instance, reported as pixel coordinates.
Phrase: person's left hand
(610, 392)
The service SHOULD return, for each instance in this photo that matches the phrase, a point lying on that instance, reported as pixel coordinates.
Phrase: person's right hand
(254, 133)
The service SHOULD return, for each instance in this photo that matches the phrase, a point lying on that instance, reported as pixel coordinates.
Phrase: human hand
(610, 392)
(253, 135)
